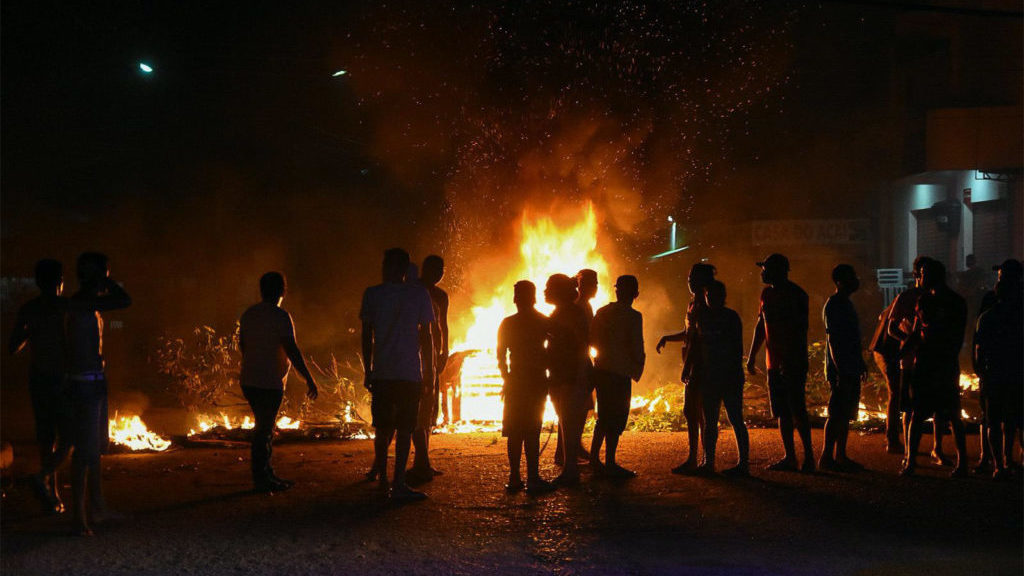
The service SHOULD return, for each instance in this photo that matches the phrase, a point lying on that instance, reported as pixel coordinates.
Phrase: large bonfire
(546, 247)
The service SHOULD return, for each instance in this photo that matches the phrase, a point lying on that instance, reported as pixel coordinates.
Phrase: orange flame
(545, 248)
(130, 431)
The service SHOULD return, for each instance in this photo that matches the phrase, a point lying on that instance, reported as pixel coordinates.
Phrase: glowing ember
(545, 249)
(969, 382)
(130, 431)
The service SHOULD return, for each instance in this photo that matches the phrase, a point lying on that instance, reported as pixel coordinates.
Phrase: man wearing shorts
(433, 366)
(935, 340)
(396, 318)
(782, 328)
(844, 369)
(720, 331)
(87, 386)
(617, 333)
(522, 361)
(40, 325)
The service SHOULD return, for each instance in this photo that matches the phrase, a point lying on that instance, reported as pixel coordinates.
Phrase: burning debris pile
(130, 434)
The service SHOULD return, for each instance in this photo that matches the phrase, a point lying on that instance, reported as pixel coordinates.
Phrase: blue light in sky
(146, 68)
(339, 73)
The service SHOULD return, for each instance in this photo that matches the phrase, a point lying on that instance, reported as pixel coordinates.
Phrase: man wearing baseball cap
(782, 328)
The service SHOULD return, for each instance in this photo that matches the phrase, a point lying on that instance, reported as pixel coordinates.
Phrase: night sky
(241, 152)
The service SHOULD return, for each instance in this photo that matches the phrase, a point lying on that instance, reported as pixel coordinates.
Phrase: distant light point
(339, 73)
(145, 68)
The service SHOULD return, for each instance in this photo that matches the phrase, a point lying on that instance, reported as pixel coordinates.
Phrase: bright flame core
(545, 248)
(130, 431)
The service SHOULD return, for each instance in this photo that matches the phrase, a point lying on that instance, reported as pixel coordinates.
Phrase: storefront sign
(795, 232)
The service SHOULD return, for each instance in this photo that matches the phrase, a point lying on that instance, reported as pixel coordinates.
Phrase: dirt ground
(192, 512)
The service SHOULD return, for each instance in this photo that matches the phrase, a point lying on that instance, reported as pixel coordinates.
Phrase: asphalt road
(192, 512)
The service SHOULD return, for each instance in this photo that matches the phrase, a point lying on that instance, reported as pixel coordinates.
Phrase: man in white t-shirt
(267, 340)
(396, 319)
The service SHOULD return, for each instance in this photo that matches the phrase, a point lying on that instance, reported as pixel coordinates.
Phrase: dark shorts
(426, 416)
(394, 404)
(613, 395)
(51, 408)
(693, 400)
(1002, 401)
(716, 394)
(90, 426)
(787, 391)
(935, 391)
(568, 397)
(844, 402)
(523, 410)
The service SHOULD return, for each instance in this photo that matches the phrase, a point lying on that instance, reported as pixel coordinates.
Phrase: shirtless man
(40, 325)
(87, 386)
(782, 328)
(522, 362)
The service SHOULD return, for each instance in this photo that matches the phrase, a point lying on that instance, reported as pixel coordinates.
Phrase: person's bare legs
(595, 445)
(828, 460)
(515, 454)
(573, 429)
(403, 442)
(913, 443)
(960, 436)
(381, 443)
(803, 427)
(421, 460)
(939, 429)
(734, 410)
(789, 462)
(996, 438)
(693, 412)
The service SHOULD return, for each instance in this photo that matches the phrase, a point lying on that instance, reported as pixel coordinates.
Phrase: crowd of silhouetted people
(571, 356)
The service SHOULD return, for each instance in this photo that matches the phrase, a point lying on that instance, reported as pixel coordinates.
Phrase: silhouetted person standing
(266, 337)
(586, 287)
(998, 342)
(87, 386)
(936, 337)
(396, 319)
(782, 328)
(40, 325)
(886, 352)
(720, 331)
(568, 360)
(522, 361)
(432, 365)
(844, 369)
(1010, 272)
(617, 333)
(700, 276)
(902, 315)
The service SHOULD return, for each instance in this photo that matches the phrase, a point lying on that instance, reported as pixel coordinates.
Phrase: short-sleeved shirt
(842, 334)
(43, 321)
(617, 333)
(263, 330)
(522, 337)
(395, 311)
(721, 335)
(784, 310)
(567, 345)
